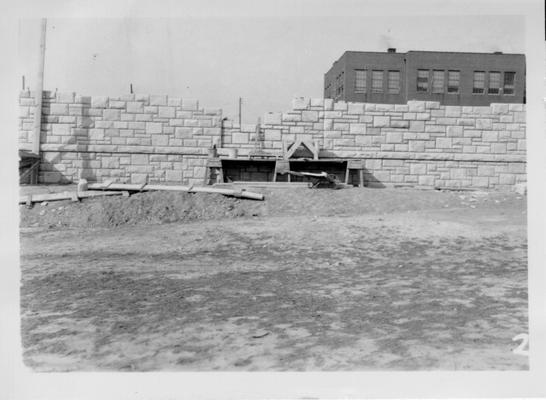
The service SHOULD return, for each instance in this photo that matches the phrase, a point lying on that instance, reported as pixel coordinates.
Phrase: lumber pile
(189, 189)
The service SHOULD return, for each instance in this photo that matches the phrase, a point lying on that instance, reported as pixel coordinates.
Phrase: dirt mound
(140, 208)
(166, 207)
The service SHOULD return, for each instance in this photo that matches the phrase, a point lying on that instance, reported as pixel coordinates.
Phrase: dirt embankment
(167, 207)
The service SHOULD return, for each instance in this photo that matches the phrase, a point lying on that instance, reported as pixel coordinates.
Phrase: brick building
(473, 79)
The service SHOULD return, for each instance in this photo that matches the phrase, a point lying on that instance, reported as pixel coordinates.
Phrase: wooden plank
(355, 164)
(36, 198)
(176, 188)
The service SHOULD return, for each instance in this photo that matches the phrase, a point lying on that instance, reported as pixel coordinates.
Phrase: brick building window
(509, 83)
(453, 78)
(438, 81)
(494, 83)
(393, 82)
(377, 81)
(479, 82)
(422, 80)
(360, 80)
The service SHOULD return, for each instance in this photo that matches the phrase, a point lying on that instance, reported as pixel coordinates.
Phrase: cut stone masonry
(158, 138)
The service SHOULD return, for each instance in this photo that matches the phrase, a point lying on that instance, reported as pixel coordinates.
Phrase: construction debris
(189, 189)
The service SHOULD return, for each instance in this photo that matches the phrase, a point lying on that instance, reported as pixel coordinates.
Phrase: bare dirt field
(356, 279)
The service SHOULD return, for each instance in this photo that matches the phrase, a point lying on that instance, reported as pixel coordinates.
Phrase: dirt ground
(356, 279)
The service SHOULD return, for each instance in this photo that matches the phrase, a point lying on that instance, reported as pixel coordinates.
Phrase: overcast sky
(265, 60)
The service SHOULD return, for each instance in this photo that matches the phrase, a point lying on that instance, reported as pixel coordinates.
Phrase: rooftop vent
(391, 50)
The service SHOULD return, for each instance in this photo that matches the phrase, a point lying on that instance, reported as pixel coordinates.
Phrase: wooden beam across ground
(190, 189)
(74, 196)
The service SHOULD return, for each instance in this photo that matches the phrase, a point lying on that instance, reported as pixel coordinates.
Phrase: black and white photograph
(304, 189)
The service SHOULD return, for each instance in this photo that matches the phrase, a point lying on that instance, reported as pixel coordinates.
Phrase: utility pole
(240, 104)
(39, 89)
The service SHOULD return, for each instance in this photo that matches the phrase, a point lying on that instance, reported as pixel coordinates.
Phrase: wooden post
(38, 95)
(39, 89)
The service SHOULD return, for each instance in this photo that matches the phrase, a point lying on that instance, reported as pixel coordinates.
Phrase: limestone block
(58, 109)
(416, 106)
(173, 176)
(272, 134)
(394, 137)
(432, 105)
(400, 123)
(454, 131)
(117, 104)
(435, 128)
(174, 101)
(309, 116)
(484, 123)
(296, 129)
(416, 146)
(357, 129)
(516, 107)
(341, 126)
(472, 133)
(384, 107)
(240, 138)
(516, 167)
(139, 159)
(439, 113)
(328, 124)
(300, 103)
(65, 97)
(332, 114)
(498, 148)
(355, 108)
(480, 181)
(367, 119)
(408, 116)
(135, 107)
(332, 134)
(328, 104)
(212, 131)
(490, 136)
(486, 170)
(499, 108)
(291, 117)
(340, 106)
(166, 112)
(154, 127)
(191, 122)
(96, 134)
(417, 126)
(158, 100)
(381, 121)
(160, 140)
(426, 180)
(60, 129)
(190, 104)
(273, 118)
(136, 125)
(393, 163)
(519, 117)
(99, 101)
(401, 107)
(422, 116)
(143, 117)
(361, 140)
(317, 102)
(443, 143)
(506, 119)
(139, 178)
(453, 111)
(111, 115)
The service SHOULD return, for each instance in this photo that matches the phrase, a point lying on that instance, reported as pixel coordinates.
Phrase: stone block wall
(416, 144)
(158, 138)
